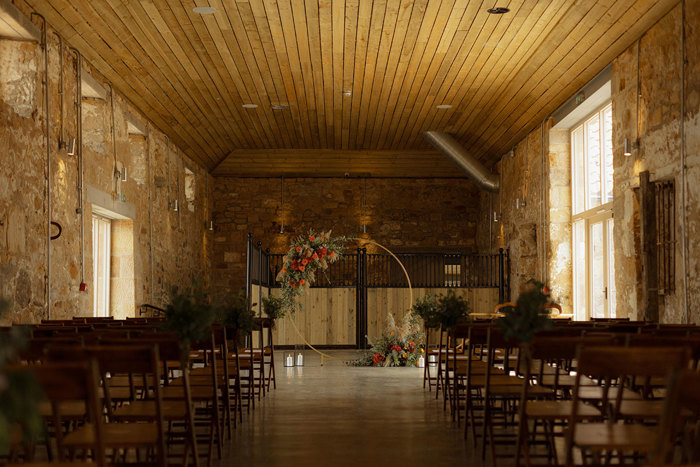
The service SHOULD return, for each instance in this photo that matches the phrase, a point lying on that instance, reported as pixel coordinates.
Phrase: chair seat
(116, 435)
(566, 381)
(69, 410)
(146, 410)
(559, 410)
(177, 392)
(596, 393)
(625, 437)
(54, 464)
(513, 391)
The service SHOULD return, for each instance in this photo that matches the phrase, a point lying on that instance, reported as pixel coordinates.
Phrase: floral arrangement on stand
(307, 255)
(396, 346)
(529, 316)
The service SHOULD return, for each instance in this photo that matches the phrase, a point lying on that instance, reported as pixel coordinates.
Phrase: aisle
(341, 416)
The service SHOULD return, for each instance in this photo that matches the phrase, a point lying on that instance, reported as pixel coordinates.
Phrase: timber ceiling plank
(114, 70)
(356, 75)
(627, 29)
(559, 63)
(140, 62)
(156, 47)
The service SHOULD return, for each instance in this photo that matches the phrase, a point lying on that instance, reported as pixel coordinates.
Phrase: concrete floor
(335, 415)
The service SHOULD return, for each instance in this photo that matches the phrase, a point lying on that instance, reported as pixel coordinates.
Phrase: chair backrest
(69, 382)
(681, 413)
(616, 362)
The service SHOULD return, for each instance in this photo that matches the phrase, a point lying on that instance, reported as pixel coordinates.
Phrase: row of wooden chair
(594, 390)
(153, 401)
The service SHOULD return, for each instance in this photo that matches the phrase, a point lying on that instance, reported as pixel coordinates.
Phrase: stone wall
(517, 225)
(404, 215)
(656, 123)
(180, 241)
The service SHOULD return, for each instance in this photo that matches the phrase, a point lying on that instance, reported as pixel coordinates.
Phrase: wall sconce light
(628, 148)
(175, 206)
(210, 226)
(124, 178)
(70, 147)
(495, 216)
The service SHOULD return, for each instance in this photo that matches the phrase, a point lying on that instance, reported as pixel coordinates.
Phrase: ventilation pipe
(450, 147)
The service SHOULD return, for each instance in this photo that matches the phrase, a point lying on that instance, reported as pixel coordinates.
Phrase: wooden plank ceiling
(361, 79)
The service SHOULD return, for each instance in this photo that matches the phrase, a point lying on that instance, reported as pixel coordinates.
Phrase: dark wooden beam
(650, 276)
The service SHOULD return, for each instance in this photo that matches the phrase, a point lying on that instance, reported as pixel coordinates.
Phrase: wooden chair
(679, 428)
(610, 366)
(174, 410)
(115, 360)
(67, 383)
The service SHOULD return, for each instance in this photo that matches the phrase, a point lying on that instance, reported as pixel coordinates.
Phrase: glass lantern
(299, 355)
(289, 358)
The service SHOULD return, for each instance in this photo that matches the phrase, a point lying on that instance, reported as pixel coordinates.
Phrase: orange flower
(284, 269)
(298, 249)
(302, 282)
(314, 256)
(302, 268)
(312, 238)
(331, 254)
(304, 261)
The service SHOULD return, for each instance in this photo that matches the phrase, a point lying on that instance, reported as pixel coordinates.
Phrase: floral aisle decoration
(307, 255)
(529, 317)
(396, 346)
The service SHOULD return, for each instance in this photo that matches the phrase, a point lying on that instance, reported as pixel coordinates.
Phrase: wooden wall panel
(327, 317)
(381, 301)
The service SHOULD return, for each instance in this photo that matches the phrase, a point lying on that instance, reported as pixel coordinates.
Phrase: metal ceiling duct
(450, 147)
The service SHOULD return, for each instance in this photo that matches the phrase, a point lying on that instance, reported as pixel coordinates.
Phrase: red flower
(396, 348)
(312, 238)
(298, 249)
(377, 358)
(291, 283)
(314, 256)
(411, 346)
(545, 290)
(322, 252)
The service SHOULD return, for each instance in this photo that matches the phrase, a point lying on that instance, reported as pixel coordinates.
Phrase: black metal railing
(364, 271)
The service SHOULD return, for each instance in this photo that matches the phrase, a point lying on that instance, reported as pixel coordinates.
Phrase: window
(101, 258)
(592, 195)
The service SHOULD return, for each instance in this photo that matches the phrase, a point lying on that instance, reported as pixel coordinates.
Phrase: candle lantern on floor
(299, 355)
(288, 358)
(432, 360)
(421, 362)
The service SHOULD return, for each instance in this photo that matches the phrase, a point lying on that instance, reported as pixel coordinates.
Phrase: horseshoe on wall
(60, 229)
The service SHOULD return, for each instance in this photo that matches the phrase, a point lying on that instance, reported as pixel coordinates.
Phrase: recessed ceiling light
(444, 106)
(204, 10)
(498, 10)
(279, 106)
(250, 106)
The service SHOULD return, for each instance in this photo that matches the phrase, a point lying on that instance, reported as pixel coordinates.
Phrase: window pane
(578, 170)
(597, 273)
(611, 269)
(593, 168)
(608, 153)
(580, 270)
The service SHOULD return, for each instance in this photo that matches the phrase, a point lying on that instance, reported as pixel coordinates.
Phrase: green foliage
(274, 307)
(19, 392)
(529, 316)
(451, 309)
(238, 314)
(426, 308)
(189, 315)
